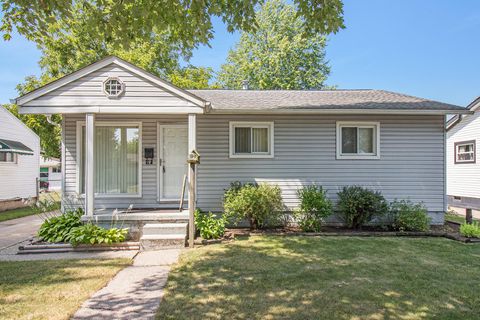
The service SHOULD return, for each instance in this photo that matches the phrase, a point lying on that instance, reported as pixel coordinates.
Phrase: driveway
(16, 230)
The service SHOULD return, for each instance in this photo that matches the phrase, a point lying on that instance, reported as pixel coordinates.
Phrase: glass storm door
(173, 146)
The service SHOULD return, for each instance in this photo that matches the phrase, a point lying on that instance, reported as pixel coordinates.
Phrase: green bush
(260, 204)
(470, 230)
(57, 229)
(92, 234)
(208, 225)
(314, 208)
(358, 206)
(409, 216)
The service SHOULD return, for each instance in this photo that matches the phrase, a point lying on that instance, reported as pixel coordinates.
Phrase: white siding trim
(360, 124)
(80, 124)
(253, 124)
(110, 109)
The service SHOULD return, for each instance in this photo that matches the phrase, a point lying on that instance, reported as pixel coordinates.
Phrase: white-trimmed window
(251, 139)
(358, 140)
(8, 157)
(113, 87)
(117, 156)
(465, 152)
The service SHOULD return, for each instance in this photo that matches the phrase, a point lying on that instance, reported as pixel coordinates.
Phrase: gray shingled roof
(318, 99)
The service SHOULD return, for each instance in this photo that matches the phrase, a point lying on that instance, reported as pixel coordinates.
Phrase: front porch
(153, 228)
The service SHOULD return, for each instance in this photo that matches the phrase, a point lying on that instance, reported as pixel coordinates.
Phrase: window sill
(251, 156)
(358, 157)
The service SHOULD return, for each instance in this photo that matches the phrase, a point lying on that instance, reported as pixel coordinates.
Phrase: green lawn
(51, 289)
(27, 211)
(273, 277)
(456, 218)
(16, 213)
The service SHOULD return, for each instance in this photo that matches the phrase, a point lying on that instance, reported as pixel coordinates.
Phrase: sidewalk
(135, 292)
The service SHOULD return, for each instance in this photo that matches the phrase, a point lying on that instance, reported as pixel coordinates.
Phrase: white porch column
(192, 145)
(89, 163)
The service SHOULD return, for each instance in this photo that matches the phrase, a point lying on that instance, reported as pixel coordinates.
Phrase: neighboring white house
(463, 170)
(50, 174)
(19, 158)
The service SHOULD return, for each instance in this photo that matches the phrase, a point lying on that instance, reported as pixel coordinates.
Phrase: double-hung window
(117, 159)
(358, 140)
(465, 152)
(9, 157)
(251, 139)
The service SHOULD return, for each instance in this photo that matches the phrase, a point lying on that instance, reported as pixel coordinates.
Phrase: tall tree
(277, 55)
(189, 22)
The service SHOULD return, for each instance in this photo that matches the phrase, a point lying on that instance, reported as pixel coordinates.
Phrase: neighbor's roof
(364, 99)
(473, 106)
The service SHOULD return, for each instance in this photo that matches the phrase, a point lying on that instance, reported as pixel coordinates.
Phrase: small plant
(208, 225)
(260, 204)
(358, 206)
(57, 228)
(470, 230)
(314, 208)
(408, 216)
(90, 233)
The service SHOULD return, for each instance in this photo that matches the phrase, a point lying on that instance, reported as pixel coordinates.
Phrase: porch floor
(138, 215)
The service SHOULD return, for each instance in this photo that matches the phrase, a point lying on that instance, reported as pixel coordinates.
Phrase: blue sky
(427, 48)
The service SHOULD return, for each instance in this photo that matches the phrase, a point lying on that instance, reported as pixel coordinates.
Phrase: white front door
(173, 150)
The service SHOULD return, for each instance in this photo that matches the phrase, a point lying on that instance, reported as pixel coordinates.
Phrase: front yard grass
(456, 218)
(52, 289)
(274, 277)
(16, 213)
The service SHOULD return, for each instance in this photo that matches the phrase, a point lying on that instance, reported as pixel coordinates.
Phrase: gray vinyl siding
(411, 164)
(88, 91)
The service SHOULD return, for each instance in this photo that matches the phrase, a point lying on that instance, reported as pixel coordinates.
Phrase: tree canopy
(188, 23)
(276, 55)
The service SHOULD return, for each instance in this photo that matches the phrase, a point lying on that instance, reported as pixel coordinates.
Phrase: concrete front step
(164, 228)
(162, 241)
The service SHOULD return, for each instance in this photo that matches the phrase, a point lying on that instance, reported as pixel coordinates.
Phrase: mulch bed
(449, 230)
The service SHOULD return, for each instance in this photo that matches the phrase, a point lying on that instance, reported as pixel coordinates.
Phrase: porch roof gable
(28, 102)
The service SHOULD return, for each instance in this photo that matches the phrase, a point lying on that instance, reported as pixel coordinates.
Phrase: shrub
(208, 225)
(260, 204)
(470, 230)
(92, 234)
(314, 208)
(57, 228)
(357, 205)
(409, 216)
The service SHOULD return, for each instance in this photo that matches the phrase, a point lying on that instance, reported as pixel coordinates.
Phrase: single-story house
(127, 134)
(463, 161)
(19, 161)
(50, 174)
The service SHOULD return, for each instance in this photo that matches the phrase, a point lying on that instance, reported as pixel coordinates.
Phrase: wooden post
(192, 145)
(191, 204)
(468, 216)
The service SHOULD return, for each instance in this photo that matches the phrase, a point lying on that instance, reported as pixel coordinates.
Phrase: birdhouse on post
(193, 159)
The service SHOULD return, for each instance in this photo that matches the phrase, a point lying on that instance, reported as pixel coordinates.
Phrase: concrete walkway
(135, 292)
(17, 230)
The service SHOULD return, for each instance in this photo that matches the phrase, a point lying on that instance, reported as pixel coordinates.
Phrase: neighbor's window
(117, 159)
(465, 152)
(113, 87)
(358, 140)
(56, 169)
(251, 139)
(8, 157)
